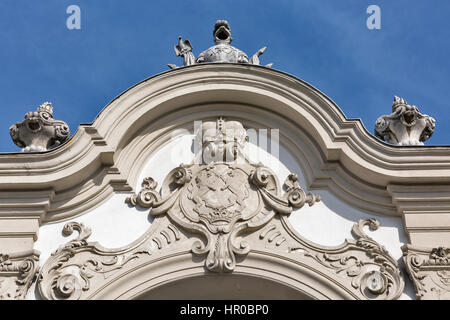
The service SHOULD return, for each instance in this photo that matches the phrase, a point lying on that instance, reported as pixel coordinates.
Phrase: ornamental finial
(221, 52)
(39, 131)
(406, 126)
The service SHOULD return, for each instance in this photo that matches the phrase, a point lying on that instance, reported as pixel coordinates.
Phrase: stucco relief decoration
(39, 131)
(219, 208)
(367, 264)
(17, 272)
(222, 51)
(406, 126)
(223, 197)
(429, 269)
(76, 266)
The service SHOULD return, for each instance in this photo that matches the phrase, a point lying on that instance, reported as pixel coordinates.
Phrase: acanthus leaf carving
(71, 268)
(368, 265)
(429, 269)
(17, 273)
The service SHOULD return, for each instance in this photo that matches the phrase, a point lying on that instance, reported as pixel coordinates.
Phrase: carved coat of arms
(223, 198)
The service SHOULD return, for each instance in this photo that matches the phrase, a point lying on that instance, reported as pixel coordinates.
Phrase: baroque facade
(172, 193)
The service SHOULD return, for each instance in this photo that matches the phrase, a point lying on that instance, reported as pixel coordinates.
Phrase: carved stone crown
(46, 107)
(39, 131)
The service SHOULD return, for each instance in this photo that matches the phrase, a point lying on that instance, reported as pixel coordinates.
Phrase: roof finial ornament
(406, 126)
(221, 52)
(39, 131)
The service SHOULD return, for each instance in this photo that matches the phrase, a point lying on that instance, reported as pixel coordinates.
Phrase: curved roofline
(240, 64)
(343, 156)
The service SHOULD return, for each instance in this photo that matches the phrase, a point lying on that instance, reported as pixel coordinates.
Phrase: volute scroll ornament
(365, 263)
(429, 269)
(74, 268)
(17, 273)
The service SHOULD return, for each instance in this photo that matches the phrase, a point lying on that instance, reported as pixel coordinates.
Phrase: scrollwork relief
(17, 273)
(429, 269)
(223, 199)
(221, 209)
(368, 264)
(69, 272)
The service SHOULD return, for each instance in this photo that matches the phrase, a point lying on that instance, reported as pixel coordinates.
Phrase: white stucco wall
(114, 224)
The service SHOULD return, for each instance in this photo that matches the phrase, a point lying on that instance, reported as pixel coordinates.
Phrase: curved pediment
(106, 156)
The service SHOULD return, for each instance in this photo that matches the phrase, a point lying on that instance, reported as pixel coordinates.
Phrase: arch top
(339, 153)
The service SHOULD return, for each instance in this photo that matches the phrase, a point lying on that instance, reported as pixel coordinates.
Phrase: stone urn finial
(39, 131)
(406, 126)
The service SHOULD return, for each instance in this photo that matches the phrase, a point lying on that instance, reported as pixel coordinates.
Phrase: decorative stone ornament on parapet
(429, 269)
(39, 131)
(222, 52)
(406, 126)
(221, 215)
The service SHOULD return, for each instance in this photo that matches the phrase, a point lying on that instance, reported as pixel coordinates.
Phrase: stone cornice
(343, 151)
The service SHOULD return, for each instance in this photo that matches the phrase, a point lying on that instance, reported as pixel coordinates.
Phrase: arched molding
(338, 153)
(146, 277)
(83, 270)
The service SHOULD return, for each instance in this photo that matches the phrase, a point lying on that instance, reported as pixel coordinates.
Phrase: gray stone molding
(17, 272)
(406, 126)
(429, 269)
(39, 131)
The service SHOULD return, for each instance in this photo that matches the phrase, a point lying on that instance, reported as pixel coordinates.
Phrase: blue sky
(323, 42)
